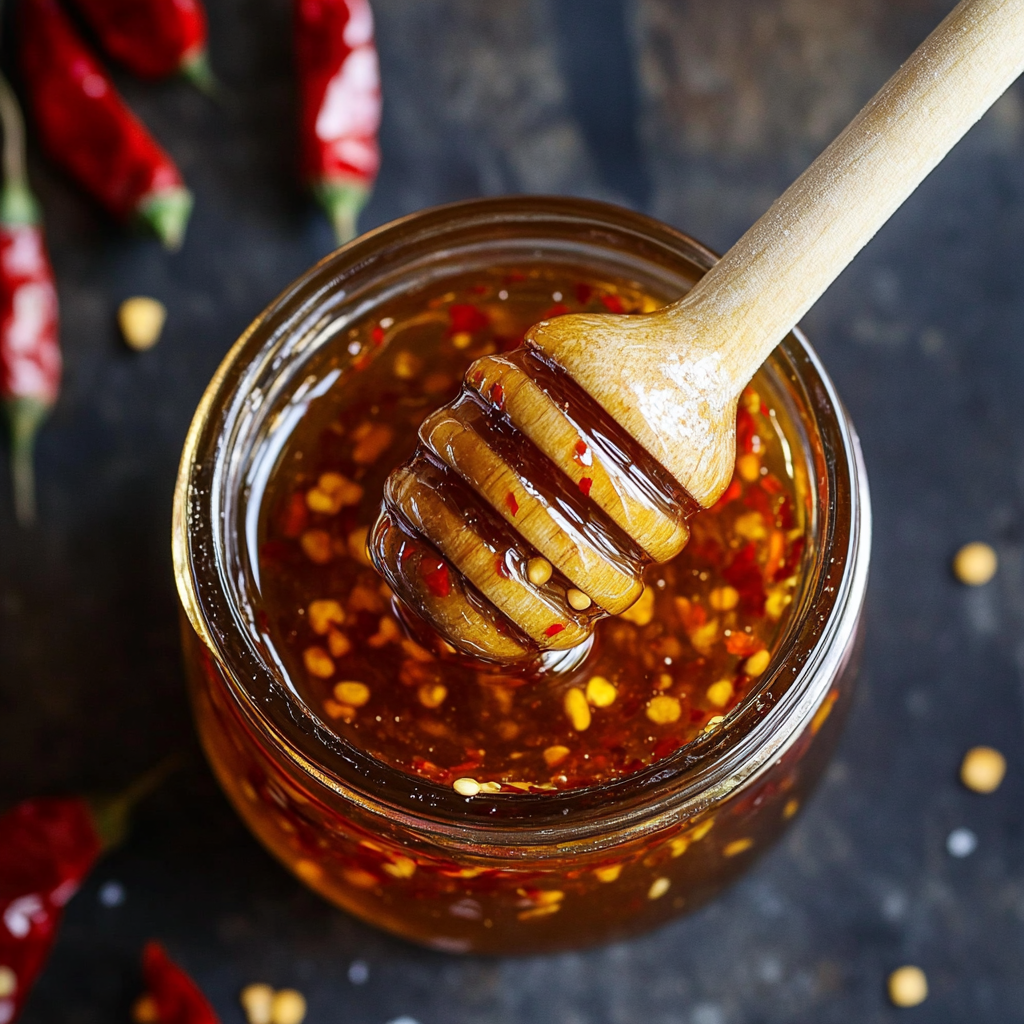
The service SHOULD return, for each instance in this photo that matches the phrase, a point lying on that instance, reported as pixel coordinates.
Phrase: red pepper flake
(613, 304)
(585, 484)
(501, 568)
(498, 395)
(666, 745)
(377, 335)
(746, 430)
(479, 289)
(742, 644)
(435, 575)
(513, 505)
(478, 377)
(584, 293)
(175, 995)
(744, 574)
(581, 448)
(464, 317)
(732, 492)
(554, 629)
(559, 309)
(515, 276)
(295, 515)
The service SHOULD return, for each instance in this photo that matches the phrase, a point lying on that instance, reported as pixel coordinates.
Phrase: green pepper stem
(196, 68)
(166, 213)
(17, 204)
(343, 201)
(24, 416)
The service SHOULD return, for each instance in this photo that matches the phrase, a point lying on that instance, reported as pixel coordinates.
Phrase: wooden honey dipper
(564, 468)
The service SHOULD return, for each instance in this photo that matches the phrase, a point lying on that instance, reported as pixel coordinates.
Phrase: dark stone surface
(701, 113)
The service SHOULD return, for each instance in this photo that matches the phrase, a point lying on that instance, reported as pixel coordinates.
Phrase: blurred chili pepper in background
(153, 38)
(339, 105)
(172, 997)
(30, 361)
(90, 132)
(47, 847)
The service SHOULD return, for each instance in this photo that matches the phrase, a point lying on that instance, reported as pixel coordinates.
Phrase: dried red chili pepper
(89, 130)
(171, 994)
(47, 847)
(153, 38)
(339, 105)
(30, 361)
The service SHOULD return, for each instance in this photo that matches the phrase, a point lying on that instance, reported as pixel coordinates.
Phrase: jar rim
(750, 739)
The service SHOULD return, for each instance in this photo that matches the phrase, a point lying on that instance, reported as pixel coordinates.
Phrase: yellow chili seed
(432, 695)
(338, 643)
(577, 709)
(792, 806)
(658, 888)
(577, 599)
(713, 722)
(983, 769)
(642, 610)
(975, 564)
(555, 755)
(141, 320)
(288, 1007)
(462, 339)
(466, 787)
(352, 693)
(757, 663)
(318, 662)
(663, 710)
(608, 874)
(724, 599)
(316, 545)
(737, 846)
(749, 467)
(323, 615)
(908, 986)
(719, 694)
(600, 692)
(401, 867)
(256, 1000)
(538, 571)
(342, 711)
(407, 366)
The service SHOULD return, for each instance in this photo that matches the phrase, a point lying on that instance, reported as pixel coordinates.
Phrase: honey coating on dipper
(669, 668)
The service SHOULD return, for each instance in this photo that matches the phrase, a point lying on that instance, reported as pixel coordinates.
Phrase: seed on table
(724, 599)
(466, 787)
(338, 643)
(577, 709)
(8, 982)
(538, 571)
(316, 544)
(663, 710)
(141, 320)
(749, 467)
(432, 695)
(983, 769)
(600, 692)
(908, 986)
(975, 564)
(256, 1000)
(323, 615)
(288, 1007)
(406, 366)
(318, 662)
(352, 693)
(577, 599)
(719, 694)
(658, 888)
(555, 755)
(757, 663)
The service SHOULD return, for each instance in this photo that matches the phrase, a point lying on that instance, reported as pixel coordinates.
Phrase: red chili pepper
(462, 317)
(47, 847)
(153, 38)
(175, 998)
(586, 483)
(30, 361)
(89, 130)
(339, 105)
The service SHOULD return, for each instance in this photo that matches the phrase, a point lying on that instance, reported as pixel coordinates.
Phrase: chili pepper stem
(166, 213)
(24, 416)
(196, 68)
(110, 813)
(343, 200)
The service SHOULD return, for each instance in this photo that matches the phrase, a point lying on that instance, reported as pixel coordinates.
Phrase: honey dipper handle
(776, 271)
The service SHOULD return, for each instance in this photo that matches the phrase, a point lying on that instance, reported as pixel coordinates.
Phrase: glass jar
(510, 873)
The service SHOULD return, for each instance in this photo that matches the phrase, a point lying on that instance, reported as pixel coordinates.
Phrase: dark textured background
(699, 113)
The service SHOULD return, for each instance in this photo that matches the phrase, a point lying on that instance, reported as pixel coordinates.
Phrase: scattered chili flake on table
(657, 677)
(171, 996)
(339, 106)
(153, 38)
(30, 360)
(87, 128)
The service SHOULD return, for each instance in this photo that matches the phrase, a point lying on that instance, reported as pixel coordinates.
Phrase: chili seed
(323, 615)
(401, 867)
(8, 982)
(462, 339)
(658, 888)
(724, 599)
(432, 695)
(288, 1007)
(792, 806)
(256, 1000)
(983, 769)
(975, 564)
(555, 755)
(577, 599)
(466, 787)
(757, 663)
(749, 467)
(664, 710)
(372, 440)
(600, 692)
(776, 602)
(316, 544)
(352, 693)
(342, 711)
(719, 694)
(338, 643)
(538, 571)
(737, 846)
(642, 610)
(751, 526)
(387, 632)
(141, 320)
(577, 709)
(318, 662)
(406, 365)
(608, 874)
(713, 722)
(908, 986)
